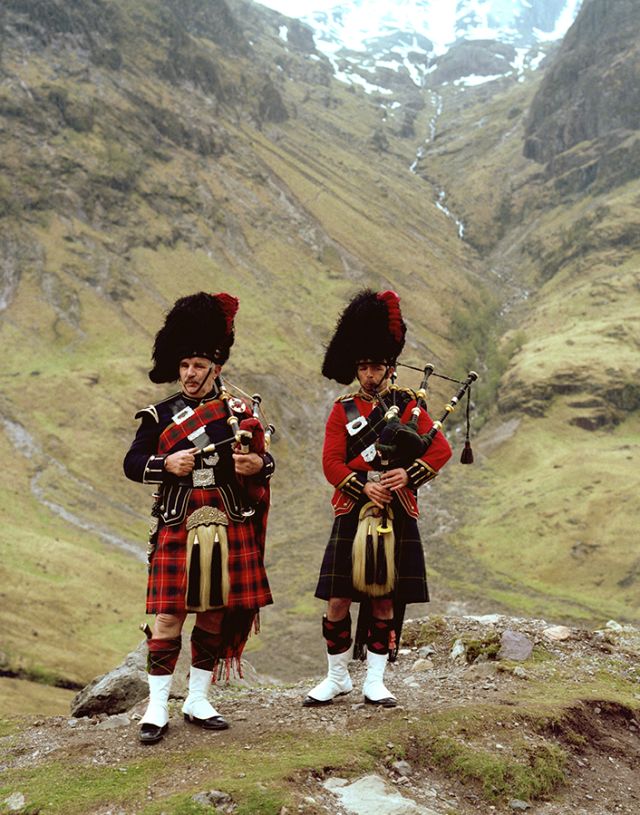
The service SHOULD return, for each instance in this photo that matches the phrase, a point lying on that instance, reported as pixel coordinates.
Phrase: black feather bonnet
(370, 328)
(199, 325)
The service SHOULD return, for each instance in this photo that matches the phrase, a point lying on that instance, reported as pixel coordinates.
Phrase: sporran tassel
(215, 594)
(381, 563)
(370, 564)
(193, 593)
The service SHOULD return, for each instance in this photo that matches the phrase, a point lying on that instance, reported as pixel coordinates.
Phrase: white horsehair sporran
(372, 553)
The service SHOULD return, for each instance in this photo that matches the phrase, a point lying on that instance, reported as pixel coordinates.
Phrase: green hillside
(151, 150)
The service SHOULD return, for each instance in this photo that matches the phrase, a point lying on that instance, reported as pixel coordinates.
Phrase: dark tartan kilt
(248, 584)
(411, 577)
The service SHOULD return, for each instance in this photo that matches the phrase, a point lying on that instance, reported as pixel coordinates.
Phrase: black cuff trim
(352, 486)
(154, 471)
(419, 473)
(269, 466)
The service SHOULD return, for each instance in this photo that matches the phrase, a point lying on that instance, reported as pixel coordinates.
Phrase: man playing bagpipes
(374, 555)
(207, 545)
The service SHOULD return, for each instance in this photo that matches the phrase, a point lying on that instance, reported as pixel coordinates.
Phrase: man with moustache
(212, 500)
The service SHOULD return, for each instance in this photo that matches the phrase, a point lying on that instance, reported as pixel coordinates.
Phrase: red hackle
(392, 302)
(229, 307)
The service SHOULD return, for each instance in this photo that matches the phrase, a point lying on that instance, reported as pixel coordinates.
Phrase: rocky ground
(488, 685)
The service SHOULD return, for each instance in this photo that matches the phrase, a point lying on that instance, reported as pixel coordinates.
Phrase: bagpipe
(249, 435)
(400, 444)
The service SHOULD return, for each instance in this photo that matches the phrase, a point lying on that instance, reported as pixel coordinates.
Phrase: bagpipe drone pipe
(400, 444)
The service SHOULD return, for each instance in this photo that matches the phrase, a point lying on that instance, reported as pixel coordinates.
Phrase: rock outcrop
(591, 93)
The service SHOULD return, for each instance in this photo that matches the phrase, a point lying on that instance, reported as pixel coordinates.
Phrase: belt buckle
(204, 477)
(183, 414)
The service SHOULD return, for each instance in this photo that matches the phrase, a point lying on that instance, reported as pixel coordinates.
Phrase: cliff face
(590, 99)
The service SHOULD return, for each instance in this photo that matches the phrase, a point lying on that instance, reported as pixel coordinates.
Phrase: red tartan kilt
(248, 584)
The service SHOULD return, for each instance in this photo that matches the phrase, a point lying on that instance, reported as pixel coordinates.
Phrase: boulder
(116, 691)
(514, 645)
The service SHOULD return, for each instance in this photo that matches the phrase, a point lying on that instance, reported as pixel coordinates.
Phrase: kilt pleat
(248, 583)
(335, 572)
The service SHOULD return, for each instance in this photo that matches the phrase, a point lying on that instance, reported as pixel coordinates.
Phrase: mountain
(151, 149)
(428, 43)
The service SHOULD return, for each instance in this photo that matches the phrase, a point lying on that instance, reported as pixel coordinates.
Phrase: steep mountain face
(591, 95)
(562, 239)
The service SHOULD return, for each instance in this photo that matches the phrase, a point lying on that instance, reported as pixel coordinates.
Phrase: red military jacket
(349, 476)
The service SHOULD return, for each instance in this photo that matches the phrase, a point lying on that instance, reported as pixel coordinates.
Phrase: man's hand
(182, 462)
(395, 479)
(247, 463)
(377, 493)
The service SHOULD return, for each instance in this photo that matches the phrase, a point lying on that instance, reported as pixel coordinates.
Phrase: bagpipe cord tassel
(467, 452)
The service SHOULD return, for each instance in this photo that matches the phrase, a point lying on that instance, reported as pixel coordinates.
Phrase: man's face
(373, 376)
(197, 375)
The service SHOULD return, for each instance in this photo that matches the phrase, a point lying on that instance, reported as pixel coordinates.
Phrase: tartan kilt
(411, 576)
(248, 584)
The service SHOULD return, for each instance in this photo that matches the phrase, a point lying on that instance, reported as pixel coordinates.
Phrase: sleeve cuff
(154, 471)
(419, 473)
(268, 466)
(352, 486)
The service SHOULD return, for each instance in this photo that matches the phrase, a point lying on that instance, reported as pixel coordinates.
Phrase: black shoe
(388, 701)
(151, 733)
(212, 723)
(309, 701)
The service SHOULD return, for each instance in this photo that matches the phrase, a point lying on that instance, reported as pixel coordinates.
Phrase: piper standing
(206, 550)
(374, 555)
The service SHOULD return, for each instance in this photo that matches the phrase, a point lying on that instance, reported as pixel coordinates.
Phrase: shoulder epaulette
(149, 410)
(152, 410)
(407, 391)
(346, 396)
